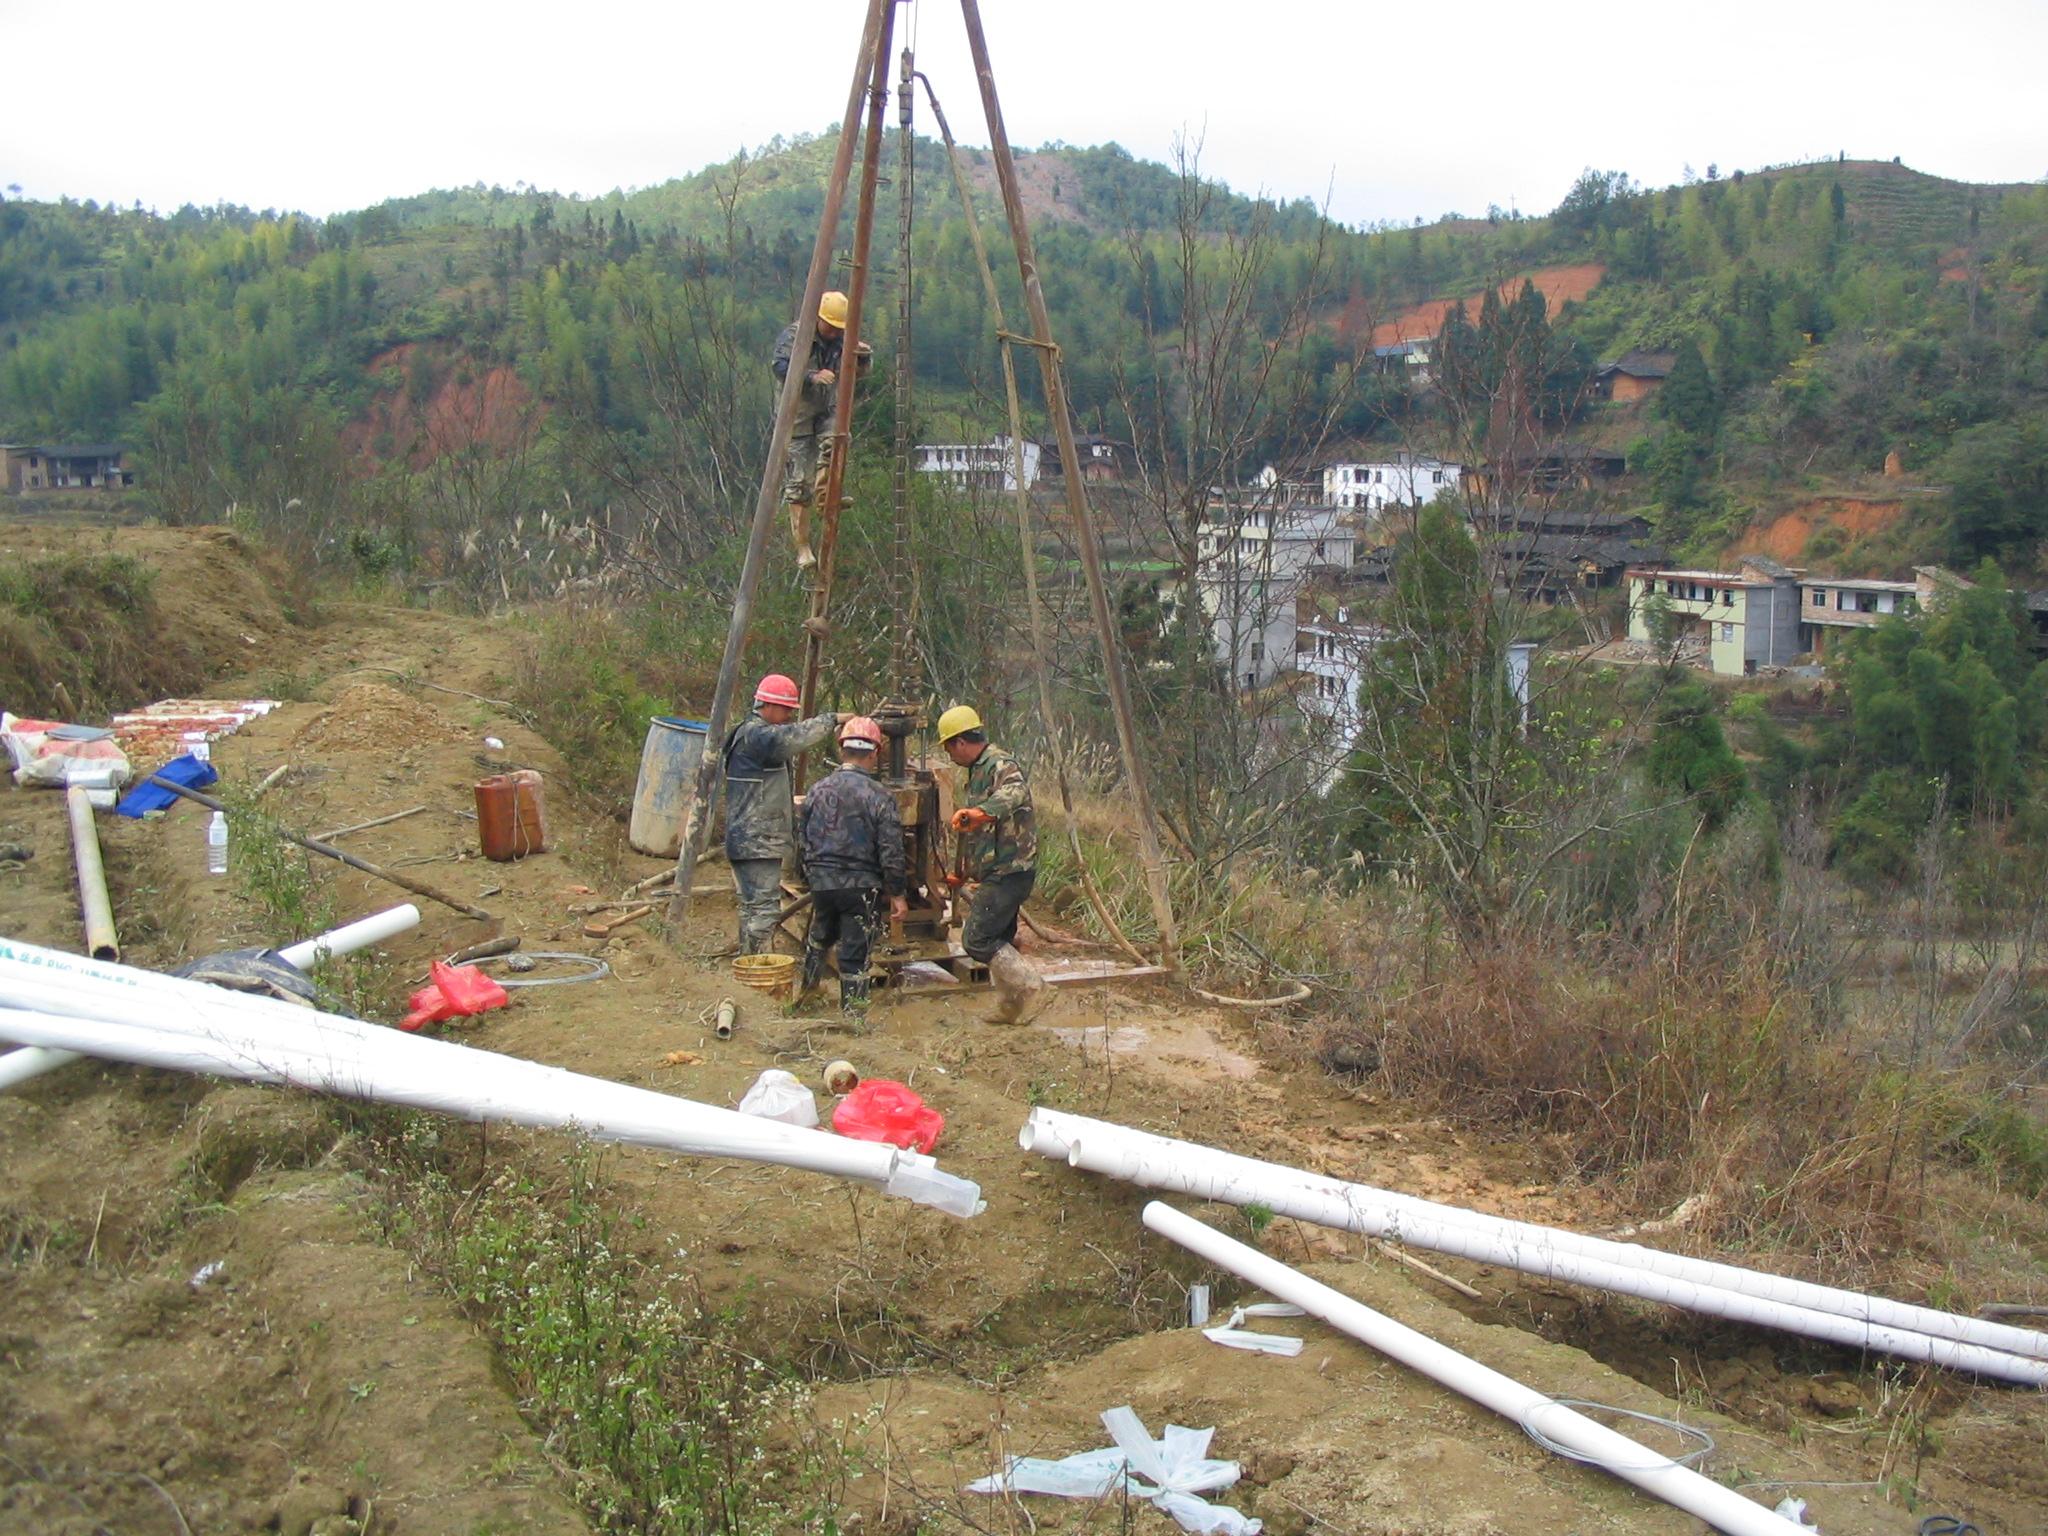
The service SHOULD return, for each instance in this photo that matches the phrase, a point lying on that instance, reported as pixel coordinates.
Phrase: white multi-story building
(1402, 479)
(1256, 561)
(1330, 655)
(990, 466)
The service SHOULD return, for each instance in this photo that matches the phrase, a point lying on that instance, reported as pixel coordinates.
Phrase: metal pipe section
(164, 1021)
(100, 941)
(699, 820)
(20, 1066)
(1722, 1290)
(1630, 1460)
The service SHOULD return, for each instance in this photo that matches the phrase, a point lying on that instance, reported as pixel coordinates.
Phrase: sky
(1386, 112)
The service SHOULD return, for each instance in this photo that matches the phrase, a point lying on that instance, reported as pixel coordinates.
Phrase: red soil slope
(1558, 285)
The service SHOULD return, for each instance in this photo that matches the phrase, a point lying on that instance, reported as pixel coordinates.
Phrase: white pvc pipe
(33, 1061)
(1972, 1344)
(100, 940)
(1630, 1460)
(350, 937)
(155, 1020)
(30, 1061)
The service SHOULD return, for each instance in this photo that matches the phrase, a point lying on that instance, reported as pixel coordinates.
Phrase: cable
(598, 969)
(1702, 1450)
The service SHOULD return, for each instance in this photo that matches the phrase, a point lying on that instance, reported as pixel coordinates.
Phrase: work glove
(968, 819)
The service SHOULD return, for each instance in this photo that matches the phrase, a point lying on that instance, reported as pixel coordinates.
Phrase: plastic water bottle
(217, 844)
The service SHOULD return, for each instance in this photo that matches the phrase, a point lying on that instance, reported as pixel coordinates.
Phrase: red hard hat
(860, 729)
(777, 689)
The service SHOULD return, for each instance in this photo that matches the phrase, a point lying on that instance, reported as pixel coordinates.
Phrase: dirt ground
(314, 1383)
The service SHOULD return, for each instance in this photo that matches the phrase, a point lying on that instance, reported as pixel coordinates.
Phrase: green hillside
(1839, 312)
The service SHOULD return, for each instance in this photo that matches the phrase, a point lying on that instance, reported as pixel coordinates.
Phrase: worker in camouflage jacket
(852, 840)
(810, 436)
(759, 803)
(999, 848)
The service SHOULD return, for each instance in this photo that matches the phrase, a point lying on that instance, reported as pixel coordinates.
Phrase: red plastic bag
(457, 991)
(883, 1110)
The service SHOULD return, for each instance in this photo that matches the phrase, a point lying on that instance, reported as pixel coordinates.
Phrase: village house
(990, 466)
(1329, 653)
(1399, 479)
(1405, 359)
(1743, 619)
(1102, 458)
(84, 467)
(1257, 561)
(1547, 471)
(1838, 603)
(1632, 376)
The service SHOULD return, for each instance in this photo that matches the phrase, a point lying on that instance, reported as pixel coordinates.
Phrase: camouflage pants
(809, 461)
(759, 882)
(992, 915)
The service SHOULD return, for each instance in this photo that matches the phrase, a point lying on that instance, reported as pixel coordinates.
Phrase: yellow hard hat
(961, 717)
(832, 309)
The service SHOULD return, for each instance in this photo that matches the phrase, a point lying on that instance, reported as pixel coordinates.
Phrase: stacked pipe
(32, 1061)
(68, 1003)
(1844, 1317)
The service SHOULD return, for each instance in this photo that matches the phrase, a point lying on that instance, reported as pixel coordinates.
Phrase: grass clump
(85, 628)
(668, 1425)
(593, 674)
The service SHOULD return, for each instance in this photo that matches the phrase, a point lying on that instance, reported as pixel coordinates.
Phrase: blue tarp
(146, 797)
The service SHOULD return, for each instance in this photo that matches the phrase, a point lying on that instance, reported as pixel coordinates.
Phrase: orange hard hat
(861, 734)
(777, 689)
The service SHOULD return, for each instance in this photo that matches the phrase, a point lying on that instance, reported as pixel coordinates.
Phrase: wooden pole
(314, 845)
(1077, 497)
(710, 770)
(849, 371)
(1041, 651)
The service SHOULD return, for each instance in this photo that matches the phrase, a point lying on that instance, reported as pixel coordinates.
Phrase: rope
(1703, 1448)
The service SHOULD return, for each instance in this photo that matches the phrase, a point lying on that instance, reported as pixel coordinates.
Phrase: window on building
(1727, 599)
(1436, 477)
(1820, 597)
(1727, 633)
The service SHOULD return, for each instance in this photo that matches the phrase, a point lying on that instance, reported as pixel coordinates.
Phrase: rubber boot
(800, 534)
(1020, 990)
(853, 996)
(810, 974)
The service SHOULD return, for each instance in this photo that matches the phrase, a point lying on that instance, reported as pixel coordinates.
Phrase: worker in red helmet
(851, 835)
(759, 803)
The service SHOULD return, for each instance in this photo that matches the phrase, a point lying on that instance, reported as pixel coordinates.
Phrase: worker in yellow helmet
(810, 438)
(999, 848)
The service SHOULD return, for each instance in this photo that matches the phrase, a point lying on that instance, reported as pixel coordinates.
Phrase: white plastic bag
(1234, 1334)
(777, 1095)
(1172, 1471)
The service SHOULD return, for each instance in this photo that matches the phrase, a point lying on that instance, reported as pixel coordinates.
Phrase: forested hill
(1823, 316)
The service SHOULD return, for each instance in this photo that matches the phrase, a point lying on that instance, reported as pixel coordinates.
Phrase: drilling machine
(922, 933)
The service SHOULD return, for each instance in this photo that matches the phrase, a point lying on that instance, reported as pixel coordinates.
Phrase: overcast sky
(1390, 111)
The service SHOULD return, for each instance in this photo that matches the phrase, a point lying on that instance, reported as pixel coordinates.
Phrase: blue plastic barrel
(668, 783)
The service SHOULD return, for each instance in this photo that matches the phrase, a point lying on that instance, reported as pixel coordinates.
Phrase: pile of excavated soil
(371, 715)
